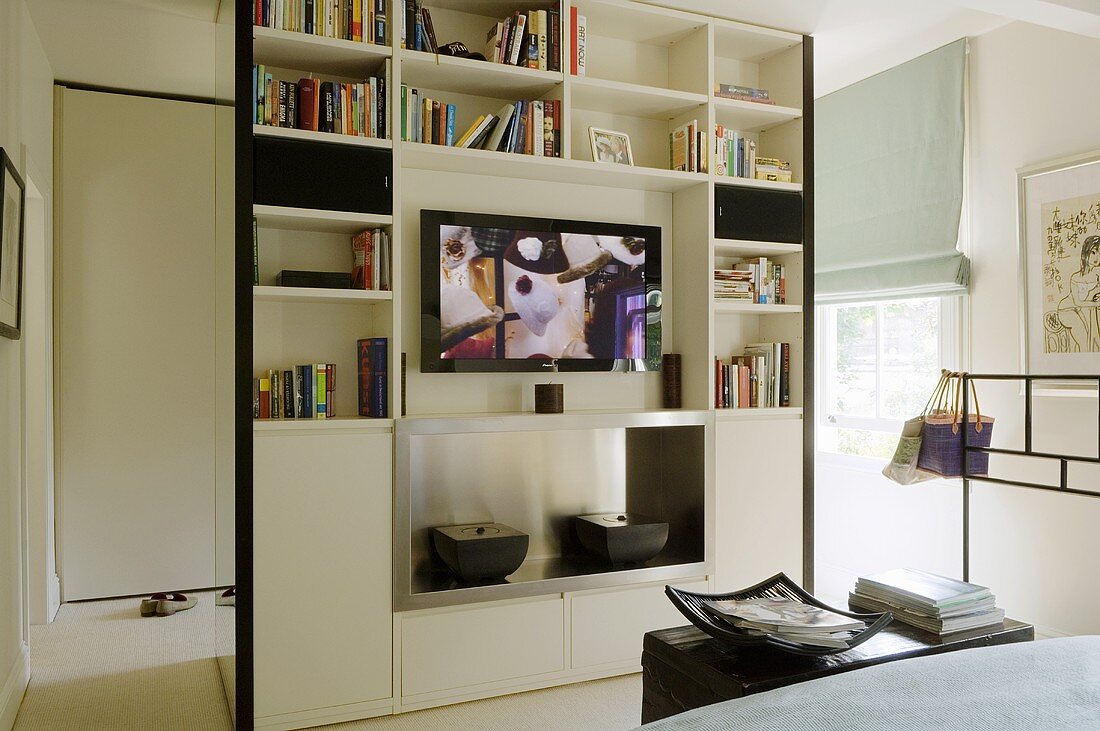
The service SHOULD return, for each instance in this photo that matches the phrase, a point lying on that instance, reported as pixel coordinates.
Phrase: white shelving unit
(650, 70)
(752, 308)
(310, 219)
(320, 295)
(264, 130)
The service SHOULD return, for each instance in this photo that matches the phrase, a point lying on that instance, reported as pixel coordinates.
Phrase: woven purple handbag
(941, 449)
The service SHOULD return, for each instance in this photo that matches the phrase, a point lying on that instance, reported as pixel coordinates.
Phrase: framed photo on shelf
(610, 147)
(1059, 247)
(12, 199)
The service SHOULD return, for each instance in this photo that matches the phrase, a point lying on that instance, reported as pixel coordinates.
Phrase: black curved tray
(690, 605)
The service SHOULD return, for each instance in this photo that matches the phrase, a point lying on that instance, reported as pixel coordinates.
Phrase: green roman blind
(888, 185)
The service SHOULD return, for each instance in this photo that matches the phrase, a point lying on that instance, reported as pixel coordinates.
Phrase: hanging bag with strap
(903, 468)
(941, 450)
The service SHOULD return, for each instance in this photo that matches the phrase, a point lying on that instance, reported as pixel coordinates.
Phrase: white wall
(26, 124)
(1032, 99)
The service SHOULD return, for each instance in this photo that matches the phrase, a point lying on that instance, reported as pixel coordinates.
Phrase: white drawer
(608, 626)
(466, 646)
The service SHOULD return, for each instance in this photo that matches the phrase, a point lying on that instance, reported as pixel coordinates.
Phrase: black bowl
(690, 604)
(480, 552)
(621, 538)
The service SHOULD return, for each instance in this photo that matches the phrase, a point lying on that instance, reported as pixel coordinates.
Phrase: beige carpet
(614, 704)
(100, 665)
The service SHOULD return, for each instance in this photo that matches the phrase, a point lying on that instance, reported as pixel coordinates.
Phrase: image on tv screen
(512, 294)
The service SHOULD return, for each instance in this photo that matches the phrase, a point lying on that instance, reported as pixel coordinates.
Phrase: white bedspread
(1049, 684)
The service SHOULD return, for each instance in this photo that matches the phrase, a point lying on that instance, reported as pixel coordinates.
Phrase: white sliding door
(135, 343)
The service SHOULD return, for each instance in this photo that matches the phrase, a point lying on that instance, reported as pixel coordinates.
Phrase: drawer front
(752, 214)
(322, 175)
(451, 649)
(608, 626)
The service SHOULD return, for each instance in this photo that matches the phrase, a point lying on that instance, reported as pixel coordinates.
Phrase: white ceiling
(166, 46)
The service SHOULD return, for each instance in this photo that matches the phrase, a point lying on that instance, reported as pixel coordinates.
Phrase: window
(878, 364)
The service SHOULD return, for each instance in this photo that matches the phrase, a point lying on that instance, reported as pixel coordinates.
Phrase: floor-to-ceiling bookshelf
(649, 71)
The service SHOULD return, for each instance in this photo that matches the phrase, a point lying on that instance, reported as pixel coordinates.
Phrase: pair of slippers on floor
(165, 605)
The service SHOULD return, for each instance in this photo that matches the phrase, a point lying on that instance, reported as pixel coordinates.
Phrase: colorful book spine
(265, 398)
(320, 391)
(379, 354)
(287, 382)
(363, 383)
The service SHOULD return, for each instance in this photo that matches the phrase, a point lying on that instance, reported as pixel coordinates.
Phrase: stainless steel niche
(534, 472)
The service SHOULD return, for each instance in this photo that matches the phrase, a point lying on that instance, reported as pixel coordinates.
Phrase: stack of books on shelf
(756, 280)
(350, 20)
(307, 392)
(743, 93)
(321, 106)
(772, 169)
(927, 601)
(530, 39)
(523, 127)
(787, 619)
(688, 148)
(372, 356)
(759, 378)
(370, 260)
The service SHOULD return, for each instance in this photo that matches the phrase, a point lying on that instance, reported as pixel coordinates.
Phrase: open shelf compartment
(508, 469)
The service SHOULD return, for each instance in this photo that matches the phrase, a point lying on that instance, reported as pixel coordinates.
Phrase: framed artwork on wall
(1059, 243)
(12, 199)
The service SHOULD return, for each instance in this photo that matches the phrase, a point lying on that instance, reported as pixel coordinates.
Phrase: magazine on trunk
(778, 615)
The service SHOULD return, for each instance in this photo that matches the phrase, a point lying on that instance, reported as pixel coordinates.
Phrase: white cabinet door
(323, 622)
(758, 501)
(447, 649)
(135, 319)
(608, 626)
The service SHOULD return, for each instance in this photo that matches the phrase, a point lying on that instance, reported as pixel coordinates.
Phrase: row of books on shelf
(306, 392)
(757, 280)
(687, 147)
(309, 391)
(530, 39)
(350, 20)
(357, 109)
(760, 378)
(524, 127)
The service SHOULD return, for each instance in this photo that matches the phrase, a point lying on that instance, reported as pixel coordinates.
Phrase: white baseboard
(53, 600)
(325, 716)
(15, 685)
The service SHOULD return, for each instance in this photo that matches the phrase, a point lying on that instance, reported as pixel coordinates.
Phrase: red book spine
(307, 104)
(573, 36)
(717, 383)
(259, 20)
(330, 390)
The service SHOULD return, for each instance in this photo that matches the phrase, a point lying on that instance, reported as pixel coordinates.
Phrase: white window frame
(951, 349)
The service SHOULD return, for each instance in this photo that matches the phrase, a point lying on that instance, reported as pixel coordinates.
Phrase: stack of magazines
(787, 619)
(930, 602)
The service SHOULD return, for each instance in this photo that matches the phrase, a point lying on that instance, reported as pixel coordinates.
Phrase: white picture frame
(610, 147)
(1059, 255)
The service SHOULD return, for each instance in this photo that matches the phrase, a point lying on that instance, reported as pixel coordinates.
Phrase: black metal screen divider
(1064, 459)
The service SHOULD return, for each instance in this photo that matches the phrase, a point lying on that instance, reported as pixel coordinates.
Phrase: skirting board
(15, 685)
(518, 685)
(325, 716)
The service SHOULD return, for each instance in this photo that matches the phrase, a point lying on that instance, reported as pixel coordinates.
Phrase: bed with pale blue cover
(1050, 684)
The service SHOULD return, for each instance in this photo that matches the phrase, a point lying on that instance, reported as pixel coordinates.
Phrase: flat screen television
(512, 293)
